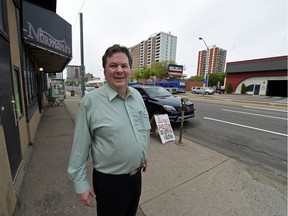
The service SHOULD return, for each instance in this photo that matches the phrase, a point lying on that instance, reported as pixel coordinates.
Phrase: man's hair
(116, 48)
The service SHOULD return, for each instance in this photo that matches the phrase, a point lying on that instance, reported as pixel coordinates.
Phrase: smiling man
(113, 124)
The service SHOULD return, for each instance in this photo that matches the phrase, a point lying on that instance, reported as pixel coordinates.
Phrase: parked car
(160, 101)
(88, 89)
(220, 90)
(199, 90)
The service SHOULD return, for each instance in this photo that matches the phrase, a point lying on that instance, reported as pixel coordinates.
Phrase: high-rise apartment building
(73, 73)
(216, 60)
(159, 47)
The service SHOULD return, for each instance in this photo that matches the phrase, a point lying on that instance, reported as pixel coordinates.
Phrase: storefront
(266, 76)
(34, 41)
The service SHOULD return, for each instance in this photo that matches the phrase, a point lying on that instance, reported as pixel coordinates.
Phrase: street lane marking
(246, 126)
(277, 110)
(247, 113)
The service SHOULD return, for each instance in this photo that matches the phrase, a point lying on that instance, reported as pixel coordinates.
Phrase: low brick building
(266, 76)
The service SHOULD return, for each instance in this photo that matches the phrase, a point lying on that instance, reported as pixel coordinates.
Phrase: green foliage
(243, 89)
(213, 79)
(197, 78)
(229, 88)
(159, 69)
(71, 83)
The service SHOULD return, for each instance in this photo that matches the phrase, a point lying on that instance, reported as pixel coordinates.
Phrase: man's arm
(77, 166)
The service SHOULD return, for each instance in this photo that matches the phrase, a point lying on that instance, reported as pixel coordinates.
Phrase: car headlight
(169, 108)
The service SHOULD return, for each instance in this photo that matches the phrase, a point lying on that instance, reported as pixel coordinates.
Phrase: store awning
(48, 38)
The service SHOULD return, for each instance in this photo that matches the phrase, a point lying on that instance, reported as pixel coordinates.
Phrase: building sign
(175, 69)
(46, 29)
(164, 128)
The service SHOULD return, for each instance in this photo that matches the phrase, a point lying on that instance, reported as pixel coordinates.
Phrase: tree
(243, 89)
(158, 69)
(229, 88)
(213, 78)
(197, 78)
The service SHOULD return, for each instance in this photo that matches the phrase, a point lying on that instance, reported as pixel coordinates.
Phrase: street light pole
(206, 65)
(82, 57)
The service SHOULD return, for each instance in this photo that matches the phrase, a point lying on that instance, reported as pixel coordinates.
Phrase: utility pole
(206, 65)
(82, 57)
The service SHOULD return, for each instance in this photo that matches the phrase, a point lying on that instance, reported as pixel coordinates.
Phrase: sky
(247, 29)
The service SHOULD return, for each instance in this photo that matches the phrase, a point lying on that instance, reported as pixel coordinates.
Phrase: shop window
(30, 83)
(17, 92)
(250, 88)
(3, 25)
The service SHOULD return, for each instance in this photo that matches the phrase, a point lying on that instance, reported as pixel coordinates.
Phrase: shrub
(243, 89)
(229, 88)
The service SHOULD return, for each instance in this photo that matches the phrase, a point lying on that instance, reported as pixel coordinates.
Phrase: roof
(47, 4)
(254, 65)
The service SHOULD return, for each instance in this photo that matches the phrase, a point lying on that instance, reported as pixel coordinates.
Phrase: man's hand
(85, 197)
(145, 165)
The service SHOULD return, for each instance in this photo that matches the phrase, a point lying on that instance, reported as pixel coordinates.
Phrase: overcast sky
(247, 29)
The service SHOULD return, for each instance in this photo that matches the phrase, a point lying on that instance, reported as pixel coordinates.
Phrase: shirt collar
(111, 93)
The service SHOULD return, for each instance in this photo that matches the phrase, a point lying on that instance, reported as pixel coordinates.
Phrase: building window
(30, 82)
(17, 92)
(3, 23)
(250, 88)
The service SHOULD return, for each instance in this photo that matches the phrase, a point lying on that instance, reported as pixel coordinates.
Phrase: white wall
(262, 81)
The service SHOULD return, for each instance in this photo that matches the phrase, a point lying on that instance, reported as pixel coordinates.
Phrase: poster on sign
(164, 128)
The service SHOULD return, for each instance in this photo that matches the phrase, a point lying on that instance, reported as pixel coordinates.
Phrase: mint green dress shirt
(115, 131)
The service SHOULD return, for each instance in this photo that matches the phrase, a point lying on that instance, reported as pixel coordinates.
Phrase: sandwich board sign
(164, 128)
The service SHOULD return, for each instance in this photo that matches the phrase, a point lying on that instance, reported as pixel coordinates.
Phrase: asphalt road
(254, 134)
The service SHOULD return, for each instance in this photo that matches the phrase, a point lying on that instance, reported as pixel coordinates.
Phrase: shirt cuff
(81, 187)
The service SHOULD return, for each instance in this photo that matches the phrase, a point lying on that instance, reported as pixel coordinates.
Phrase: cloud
(246, 29)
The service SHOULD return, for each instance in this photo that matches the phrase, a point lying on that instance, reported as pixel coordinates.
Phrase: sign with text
(164, 128)
(175, 69)
(46, 29)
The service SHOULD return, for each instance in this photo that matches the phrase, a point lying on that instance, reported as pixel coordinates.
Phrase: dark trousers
(117, 195)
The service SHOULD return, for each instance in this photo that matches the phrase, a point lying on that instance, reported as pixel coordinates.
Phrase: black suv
(160, 101)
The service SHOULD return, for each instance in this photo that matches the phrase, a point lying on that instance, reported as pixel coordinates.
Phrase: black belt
(136, 170)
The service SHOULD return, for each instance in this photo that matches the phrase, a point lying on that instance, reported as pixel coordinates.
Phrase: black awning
(50, 62)
(48, 37)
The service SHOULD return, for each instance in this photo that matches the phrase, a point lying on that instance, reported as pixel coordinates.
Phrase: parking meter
(184, 99)
(183, 107)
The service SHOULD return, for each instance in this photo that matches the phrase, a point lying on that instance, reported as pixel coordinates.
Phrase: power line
(78, 16)
(82, 6)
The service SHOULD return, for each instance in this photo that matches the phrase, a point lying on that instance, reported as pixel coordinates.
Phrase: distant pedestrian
(112, 122)
(50, 91)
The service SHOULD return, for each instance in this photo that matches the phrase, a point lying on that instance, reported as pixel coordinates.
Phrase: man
(112, 122)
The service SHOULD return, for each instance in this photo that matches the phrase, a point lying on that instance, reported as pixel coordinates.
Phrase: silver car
(199, 90)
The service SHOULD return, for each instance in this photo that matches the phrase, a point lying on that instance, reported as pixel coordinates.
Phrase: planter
(72, 92)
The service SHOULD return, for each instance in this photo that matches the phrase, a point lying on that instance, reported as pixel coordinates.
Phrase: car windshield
(157, 92)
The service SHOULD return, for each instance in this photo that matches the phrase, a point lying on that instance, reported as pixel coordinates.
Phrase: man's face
(117, 71)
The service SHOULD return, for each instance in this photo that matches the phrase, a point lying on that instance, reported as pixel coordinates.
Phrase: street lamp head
(200, 38)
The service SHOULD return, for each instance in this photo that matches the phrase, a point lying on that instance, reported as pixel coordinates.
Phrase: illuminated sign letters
(175, 69)
(46, 39)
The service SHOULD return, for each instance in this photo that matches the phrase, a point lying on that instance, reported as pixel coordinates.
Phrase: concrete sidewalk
(181, 180)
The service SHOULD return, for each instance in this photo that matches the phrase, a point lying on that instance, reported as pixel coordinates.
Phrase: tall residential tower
(216, 60)
(159, 47)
